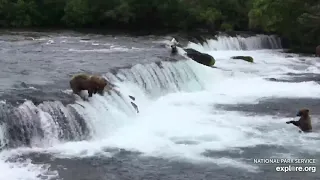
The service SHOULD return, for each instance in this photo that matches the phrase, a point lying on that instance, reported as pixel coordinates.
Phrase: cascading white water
(178, 117)
(243, 43)
(161, 79)
(142, 82)
(3, 139)
(155, 78)
(177, 100)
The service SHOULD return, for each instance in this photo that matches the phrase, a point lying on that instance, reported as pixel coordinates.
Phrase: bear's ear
(304, 112)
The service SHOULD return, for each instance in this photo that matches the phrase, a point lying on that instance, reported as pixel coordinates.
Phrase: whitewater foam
(105, 50)
(24, 169)
(178, 118)
(242, 43)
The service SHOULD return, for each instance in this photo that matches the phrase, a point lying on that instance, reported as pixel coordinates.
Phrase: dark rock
(201, 58)
(272, 79)
(245, 58)
(318, 50)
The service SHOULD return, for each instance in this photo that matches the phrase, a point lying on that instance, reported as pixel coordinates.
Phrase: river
(194, 122)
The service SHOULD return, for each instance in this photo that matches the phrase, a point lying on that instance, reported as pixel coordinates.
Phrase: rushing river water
(195, 122)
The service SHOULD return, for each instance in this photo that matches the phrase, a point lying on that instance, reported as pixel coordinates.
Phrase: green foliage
(297, 20)
(77, 13)
(22, 13)
(51, 12)
(121, 13)
(226, 27)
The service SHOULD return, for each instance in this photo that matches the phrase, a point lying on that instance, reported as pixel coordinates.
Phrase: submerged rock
(201, 58)
(272, 79)
(245, 58)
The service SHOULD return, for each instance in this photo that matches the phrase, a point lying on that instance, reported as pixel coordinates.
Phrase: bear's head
(101, 85)
(303, 112)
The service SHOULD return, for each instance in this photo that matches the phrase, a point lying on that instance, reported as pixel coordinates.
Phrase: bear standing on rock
(92, 83)
(304, 123)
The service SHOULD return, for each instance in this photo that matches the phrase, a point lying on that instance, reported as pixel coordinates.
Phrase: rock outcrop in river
(199, 57)
(245, 58)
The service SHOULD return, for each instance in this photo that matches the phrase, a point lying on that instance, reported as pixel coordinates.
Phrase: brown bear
(318, 50)
(304, 123)
(92, 83)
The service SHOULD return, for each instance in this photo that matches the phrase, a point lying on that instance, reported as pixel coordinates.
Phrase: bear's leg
(85, 98)
(296, 123)
(90, 92)
(76, 91)
(101, 92)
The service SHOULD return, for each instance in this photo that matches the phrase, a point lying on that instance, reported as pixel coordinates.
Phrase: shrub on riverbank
(296, 20)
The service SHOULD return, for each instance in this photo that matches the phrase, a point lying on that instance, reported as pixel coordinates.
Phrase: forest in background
(296, 20)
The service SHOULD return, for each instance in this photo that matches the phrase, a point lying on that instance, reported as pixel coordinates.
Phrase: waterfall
(243, 43)
(51, 121)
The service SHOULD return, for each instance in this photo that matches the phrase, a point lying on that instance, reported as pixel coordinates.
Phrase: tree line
(296, 20)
